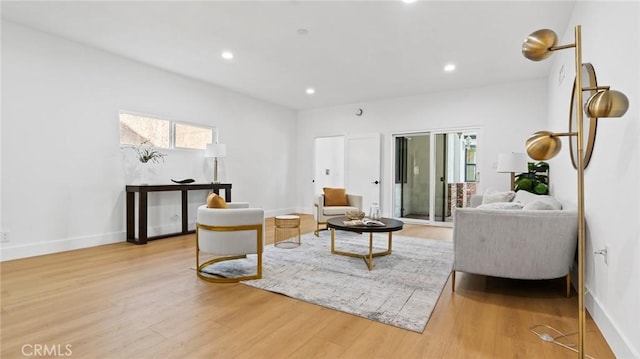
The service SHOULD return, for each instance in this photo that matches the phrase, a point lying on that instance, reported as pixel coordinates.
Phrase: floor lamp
(544, 145)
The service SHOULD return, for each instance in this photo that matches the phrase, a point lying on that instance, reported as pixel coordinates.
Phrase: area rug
(401, 290)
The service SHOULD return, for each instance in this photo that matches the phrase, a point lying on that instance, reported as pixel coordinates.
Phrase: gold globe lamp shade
(607, 103)
(543, 145)
(538, 45)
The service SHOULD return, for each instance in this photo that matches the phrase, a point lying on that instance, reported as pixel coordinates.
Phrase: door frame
(432, 173)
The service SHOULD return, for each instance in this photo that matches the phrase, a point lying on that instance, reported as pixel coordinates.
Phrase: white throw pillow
(532, 201)
(492, 196)
(525, 197)
(501, 205)
(548, 203)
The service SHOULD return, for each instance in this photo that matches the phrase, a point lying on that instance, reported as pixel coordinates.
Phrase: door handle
(375, 182)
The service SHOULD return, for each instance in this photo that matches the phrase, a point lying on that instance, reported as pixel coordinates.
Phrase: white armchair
(323, 213)
(229, 233)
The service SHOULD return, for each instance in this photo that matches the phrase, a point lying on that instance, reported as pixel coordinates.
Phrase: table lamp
(513, 163)
(215, 150)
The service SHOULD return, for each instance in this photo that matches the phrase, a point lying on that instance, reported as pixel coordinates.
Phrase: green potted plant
(536, 180)
(146, 153)
(147, 156)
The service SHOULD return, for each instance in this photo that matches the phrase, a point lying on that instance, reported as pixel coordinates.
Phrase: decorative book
(364, 222)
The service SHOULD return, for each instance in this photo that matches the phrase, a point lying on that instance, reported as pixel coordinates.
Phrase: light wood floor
(129, 301)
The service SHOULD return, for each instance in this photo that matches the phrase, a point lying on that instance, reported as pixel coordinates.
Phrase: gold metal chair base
(368, 258)
(210, 278)
(318, 229)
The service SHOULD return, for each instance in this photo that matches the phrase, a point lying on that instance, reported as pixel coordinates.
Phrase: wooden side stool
(287, 231)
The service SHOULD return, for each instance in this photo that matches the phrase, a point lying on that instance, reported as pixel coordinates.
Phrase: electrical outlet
(5, 236)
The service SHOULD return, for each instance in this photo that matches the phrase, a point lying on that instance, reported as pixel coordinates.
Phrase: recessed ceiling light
(408, 1)
(449, 67)
(227, 55)
(310, 91)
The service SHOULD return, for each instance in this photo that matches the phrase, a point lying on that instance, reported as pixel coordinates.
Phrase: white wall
(63, 172)
(506, 113)
(610, 39)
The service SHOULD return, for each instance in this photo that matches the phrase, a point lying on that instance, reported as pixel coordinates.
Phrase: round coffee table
(390, 226)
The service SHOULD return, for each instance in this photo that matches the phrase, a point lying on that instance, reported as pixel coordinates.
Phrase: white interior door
(329, 163)
(363, 168)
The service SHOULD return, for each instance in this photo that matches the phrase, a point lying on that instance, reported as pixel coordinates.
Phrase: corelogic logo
(47, 350)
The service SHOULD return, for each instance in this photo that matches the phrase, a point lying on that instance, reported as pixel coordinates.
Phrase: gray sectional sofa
(519, 242)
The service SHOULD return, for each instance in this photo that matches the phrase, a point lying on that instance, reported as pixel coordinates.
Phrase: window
(138, 129)
(470, 158)
(188, 136)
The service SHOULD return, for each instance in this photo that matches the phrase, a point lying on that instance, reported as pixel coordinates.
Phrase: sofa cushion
(215, 201)
(549, 203)
(501, 205)
(338, 210)
(492, 196)
(335, 197)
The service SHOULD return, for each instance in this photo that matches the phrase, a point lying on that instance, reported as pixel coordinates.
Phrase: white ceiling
(354, 51)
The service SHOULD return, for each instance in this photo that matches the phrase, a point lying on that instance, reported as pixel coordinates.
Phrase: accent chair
(327, 207)
(228, 234)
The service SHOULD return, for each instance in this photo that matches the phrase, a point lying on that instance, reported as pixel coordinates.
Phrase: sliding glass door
(435, 172)
(412, 177)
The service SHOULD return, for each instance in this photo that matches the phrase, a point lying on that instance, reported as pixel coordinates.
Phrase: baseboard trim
(278, 212)
(619, 344)
(306, 210)
(60, 245)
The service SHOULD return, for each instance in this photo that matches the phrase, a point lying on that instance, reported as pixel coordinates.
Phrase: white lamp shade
(215, 150)
(513, 162)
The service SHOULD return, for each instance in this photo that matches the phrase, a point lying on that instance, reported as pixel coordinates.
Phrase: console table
(143, 191)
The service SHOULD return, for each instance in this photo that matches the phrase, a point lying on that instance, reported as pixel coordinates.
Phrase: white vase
(144, 173)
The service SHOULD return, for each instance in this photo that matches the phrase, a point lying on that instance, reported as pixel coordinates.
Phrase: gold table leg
(368, 258)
